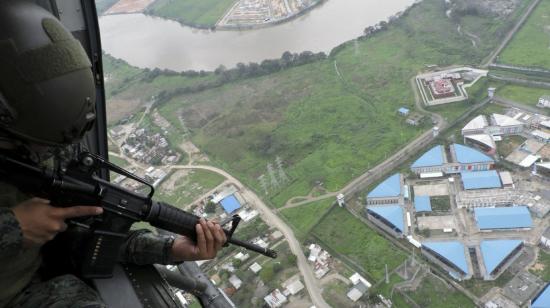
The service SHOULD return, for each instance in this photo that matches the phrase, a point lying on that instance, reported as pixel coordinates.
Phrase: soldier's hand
(210, 239)
(40, 222)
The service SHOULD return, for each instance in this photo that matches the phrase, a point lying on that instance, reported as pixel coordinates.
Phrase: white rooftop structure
(235, 281)
(506, 178)
(314, 251)
(255, 267)
(248, 215)
(478, 122)
(295, 287)
(504, 120)
(242, 256)
(529, 160)
(354, 294)
(545, 124)
(483, 139)
(545, 165)
(356, 278)
(275, 299)
(539, 134)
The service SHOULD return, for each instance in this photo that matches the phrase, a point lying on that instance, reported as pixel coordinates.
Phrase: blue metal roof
(403, 110)
(392, 213)
(391, 187)
(422, 204)
(503, 217)
(480, 179)
(453, 251)
(230, 204)
(542, 300)
(495, 251)
(467, 155)
(433, 157)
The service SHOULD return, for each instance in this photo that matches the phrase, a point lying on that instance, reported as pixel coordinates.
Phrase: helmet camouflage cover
(47, 90)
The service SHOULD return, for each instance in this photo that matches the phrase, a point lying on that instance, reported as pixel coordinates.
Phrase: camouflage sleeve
(11, 236)
(143, 247)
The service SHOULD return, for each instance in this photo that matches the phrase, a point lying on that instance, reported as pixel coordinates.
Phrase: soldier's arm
(11, 236)
(143, 247)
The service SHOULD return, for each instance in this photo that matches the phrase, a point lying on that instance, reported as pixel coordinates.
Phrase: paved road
(312, 285)
(509, 36)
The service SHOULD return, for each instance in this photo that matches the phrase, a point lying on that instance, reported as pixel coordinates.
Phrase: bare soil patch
(129, 6)
(120, 108)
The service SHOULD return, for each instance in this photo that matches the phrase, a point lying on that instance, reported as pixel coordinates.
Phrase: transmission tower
(272, 176)
(263, 183)
(280, 171)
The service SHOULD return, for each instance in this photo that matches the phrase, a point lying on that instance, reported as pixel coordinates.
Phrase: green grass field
(191, 12)
(531, 45)
(362, 244)
(523, 95)
(304, 217)
(544, 262)
(434, 293)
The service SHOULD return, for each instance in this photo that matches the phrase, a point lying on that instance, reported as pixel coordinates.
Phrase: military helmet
(47, 90)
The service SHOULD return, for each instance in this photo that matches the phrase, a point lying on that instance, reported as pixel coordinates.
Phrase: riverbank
(326, 127)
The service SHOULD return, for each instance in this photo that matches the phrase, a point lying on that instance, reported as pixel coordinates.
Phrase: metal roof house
(480, 179)
(450, 255)
(422, 204)
(432, 161)
(498, 255)
(230, 204)
(542, 300)
(502, 218)
(390, 191)
(390, 218)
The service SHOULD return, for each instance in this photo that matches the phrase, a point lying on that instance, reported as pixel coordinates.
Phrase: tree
(210, 207)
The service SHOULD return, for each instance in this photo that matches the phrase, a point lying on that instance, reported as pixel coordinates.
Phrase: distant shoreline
(229, 27)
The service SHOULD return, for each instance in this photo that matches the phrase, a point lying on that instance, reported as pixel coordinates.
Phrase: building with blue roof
(403, 111)
(494, 218)
(498, 255)
(450, 255)
(432, 161)
(388, 217)
(480, 179)
(390, 191)
(230, 204)
(542, 300)
(453, 159)
(422, 204)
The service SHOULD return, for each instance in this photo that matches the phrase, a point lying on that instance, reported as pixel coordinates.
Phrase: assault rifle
(77, 183)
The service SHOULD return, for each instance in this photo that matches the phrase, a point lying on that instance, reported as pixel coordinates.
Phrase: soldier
(47, 96)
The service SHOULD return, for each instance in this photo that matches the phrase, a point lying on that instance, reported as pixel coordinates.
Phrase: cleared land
(435, 293)
(188, 186)
(363, 246)
(304, 217)
(191, 12)
(531, 45)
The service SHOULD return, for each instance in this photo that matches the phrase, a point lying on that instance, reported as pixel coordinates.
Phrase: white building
(235, 281)
(545, 238)
(541, 136)
(255, 268)
(544, 102)
(275, 299)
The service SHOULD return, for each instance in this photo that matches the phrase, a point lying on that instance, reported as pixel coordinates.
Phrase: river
(146, 41)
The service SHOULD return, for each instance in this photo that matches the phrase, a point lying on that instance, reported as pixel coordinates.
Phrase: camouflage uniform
(20, 285)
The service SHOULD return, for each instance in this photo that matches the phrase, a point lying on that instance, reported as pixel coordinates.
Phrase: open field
(364, 246)
(530, 47)
(523, 95)
(434, 293)
(191, 12)
(304, 217)
(187, 186)
(542, 266)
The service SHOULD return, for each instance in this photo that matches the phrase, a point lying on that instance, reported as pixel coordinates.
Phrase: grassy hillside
(328, 121)
(192, 12)
(326, 127)
(531, 45)
(524, 95)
